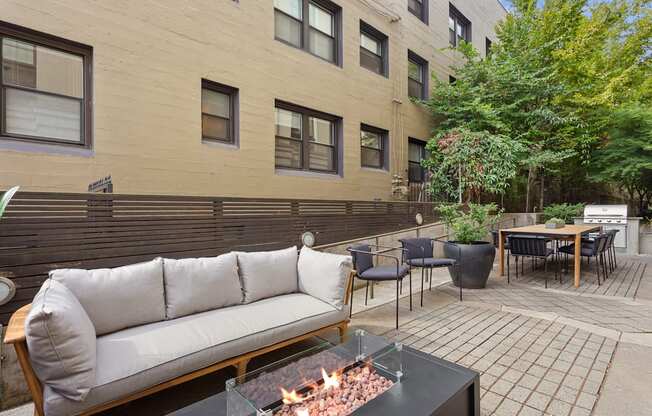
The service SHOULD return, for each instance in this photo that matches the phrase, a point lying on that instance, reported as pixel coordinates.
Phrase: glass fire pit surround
(331, 379)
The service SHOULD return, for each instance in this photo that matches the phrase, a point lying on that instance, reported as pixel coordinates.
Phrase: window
(459, 27)
(417, 76)
(312, 25)
(46, 88)
(306, 139)
(373, 49)
(419, 8)
(487, 47)
(373, 142)
(218, 112)
(416, 153)
(452, 79)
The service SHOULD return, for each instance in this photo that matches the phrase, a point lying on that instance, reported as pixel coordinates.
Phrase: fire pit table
(364, 375)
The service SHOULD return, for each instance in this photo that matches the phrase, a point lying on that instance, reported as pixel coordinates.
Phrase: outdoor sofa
(94, 339)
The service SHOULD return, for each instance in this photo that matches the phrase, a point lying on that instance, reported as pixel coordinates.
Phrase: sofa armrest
(349, 287)
(16, 327)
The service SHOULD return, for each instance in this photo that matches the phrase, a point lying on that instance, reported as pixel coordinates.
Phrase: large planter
(475, 265)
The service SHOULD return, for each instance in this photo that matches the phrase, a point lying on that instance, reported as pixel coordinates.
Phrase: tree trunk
(528, 186)
(541, 194)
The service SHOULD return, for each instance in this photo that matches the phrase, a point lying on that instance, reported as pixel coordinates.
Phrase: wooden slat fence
(44, 231)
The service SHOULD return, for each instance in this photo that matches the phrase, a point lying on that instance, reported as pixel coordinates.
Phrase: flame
(291, 397)
(330, 381)
(302, 412)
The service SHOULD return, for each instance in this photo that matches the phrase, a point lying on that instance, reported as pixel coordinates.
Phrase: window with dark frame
(459, 27)
(373, 49)
(487, 47)
(452, 79)
(218, 112)
(306, 139)
(312, 25)
(417, 76)
(45, 84)
(419, 8)
(373, 142)
(416, 153)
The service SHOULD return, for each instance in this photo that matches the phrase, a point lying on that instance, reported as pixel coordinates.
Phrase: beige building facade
(145, 91)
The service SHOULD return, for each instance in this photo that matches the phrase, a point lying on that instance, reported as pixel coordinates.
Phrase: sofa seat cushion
(201, 284)
(118, 298)
(137, 358)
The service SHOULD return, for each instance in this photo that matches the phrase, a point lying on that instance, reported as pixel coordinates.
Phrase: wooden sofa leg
(33, 383)
(342, 329)
(242, 367)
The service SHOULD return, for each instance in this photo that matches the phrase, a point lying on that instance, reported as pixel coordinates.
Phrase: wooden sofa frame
(16, 335)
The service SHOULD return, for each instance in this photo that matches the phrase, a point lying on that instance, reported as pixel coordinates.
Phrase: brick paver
(527, 366)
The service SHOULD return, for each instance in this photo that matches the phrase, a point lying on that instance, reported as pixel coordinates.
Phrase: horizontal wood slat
(42, 231)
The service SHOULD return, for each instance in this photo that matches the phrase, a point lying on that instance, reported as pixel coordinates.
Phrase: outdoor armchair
(363, 266)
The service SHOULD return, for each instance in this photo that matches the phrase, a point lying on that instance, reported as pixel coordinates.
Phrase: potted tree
(467, 232)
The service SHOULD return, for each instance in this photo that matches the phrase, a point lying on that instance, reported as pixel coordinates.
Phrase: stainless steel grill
(612, 217)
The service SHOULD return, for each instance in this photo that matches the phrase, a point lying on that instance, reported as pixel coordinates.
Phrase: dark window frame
(424, 15)
(452, 79)
(381, 38)
(233, 94)
(487, 46)
(384, 145)
(86, 103)
(305, 29)
(306, 113)
(460, 20)
(411, 162)
(416, 59)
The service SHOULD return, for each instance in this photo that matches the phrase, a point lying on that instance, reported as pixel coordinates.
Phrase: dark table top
(428, 383)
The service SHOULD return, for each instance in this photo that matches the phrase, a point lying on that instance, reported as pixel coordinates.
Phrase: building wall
(148, 62)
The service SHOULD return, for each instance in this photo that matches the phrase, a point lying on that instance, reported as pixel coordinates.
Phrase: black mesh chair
(418, 252)
(536, 248)
(590, 249)
(363, 265)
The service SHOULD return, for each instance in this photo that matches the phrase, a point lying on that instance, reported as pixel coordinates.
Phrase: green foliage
(471, 226)
(565, 212)
(6, 197)
(625, 155)
(556, 221)
(475, 161)
(553, 84)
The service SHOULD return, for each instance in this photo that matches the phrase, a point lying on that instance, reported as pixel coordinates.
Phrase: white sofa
(96, 337)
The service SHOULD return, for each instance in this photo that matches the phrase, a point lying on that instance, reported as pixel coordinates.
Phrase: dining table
(567, 233)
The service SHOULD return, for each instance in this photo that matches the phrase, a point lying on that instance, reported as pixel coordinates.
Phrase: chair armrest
(16, 327)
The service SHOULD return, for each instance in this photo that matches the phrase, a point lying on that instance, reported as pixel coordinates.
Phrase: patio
(555, 351)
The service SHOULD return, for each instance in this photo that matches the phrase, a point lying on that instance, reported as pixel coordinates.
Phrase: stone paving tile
(527, 366)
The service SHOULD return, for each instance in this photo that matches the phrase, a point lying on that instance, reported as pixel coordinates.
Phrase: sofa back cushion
(198, 285)
(118, 298)
(62, 342)
(324, 275)
(268, 273)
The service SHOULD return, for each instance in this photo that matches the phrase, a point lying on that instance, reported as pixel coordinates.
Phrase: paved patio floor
(559, 351)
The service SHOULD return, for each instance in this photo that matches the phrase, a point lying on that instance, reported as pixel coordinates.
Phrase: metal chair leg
(400, 287)
(507, 267)
(410, 287)
(366, 293)
(397, 300)
(430, 278)
(545, 271)
(422, 269)
(459, 279)
(351, 300)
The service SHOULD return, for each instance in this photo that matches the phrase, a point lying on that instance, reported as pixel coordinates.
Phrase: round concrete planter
(476, 263)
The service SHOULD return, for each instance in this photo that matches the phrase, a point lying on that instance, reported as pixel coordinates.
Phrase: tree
(467, 163)
(625, 156)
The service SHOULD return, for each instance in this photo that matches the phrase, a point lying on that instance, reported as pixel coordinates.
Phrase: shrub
(472, 225)
(565, 212)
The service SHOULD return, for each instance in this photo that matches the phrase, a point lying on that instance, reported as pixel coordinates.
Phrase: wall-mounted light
(308, 239)
(7, 290)
(418, 218)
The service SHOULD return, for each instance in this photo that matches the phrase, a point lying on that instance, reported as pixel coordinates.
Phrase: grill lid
(612, 211)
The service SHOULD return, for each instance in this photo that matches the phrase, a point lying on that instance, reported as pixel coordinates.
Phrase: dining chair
(593, 249)
(419, 252)
(363, 256)
(536, 248)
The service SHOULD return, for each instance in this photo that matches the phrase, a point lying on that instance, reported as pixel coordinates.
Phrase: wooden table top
(541, 229)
